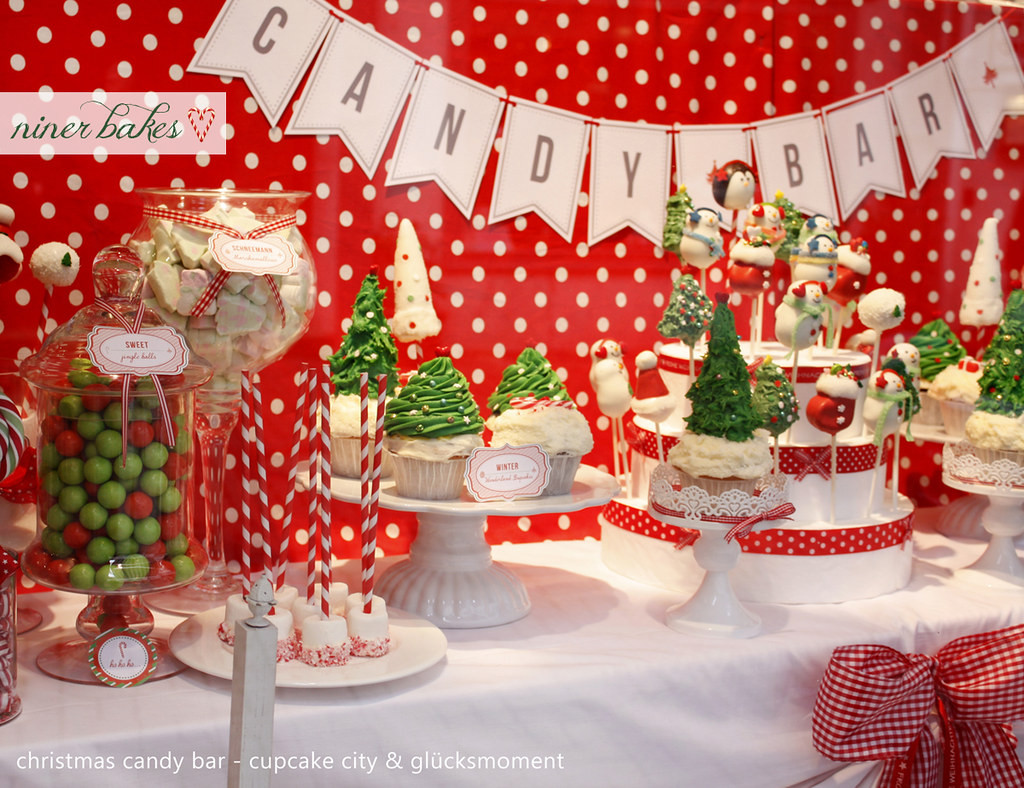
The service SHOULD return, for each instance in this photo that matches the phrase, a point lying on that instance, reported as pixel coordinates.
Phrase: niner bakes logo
(101, 123)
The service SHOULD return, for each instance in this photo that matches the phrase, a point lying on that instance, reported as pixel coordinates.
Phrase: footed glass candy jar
(116, 463)
(230, 270)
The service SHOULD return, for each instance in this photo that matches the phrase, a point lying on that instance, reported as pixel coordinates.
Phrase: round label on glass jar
(270, 254)
(122, 657)
(151, 351)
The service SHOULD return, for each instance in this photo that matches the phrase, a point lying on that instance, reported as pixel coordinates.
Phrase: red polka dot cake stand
(449, 577)
(1001, 480)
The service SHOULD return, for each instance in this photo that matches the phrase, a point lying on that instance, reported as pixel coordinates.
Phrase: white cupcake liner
(713, 486)
(562, 474)
(954, 417)
(431, 480)
(345, 459)
(931, 410)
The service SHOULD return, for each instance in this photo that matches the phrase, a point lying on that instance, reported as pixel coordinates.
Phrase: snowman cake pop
(886, 404)
(701, 243)
(911, 358)
(766, 221)
(798, 318)
(610, 381)
(11, 256)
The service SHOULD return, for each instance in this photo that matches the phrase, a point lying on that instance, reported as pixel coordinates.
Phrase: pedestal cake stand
(1002, 482)
(449, 577)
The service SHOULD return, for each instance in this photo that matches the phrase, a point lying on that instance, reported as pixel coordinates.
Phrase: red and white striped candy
(12, 436)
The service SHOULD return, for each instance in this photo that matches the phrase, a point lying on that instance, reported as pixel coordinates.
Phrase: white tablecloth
(591, 684)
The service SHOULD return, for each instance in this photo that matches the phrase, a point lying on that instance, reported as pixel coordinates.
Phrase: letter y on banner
(447, 136)
(540, 167)
(791, 158)
(269, 43)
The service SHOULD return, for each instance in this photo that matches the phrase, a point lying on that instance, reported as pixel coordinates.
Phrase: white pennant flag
(268, 42)
(700, 150)
(865, 153)
(447, 136)
(356, 89)
(792, 159)
(990, 80)
(930, 119)
(540, 166)
(630, 166)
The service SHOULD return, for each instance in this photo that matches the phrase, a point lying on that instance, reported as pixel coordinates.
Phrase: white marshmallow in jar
(231, 271)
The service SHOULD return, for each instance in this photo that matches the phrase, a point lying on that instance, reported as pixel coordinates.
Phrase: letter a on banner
(791, 158)
(865, 154)
(990, 79)
(930, 119)
(447, 136)
(356, 89)
(540, 167)
(269, 43)
(630, 165)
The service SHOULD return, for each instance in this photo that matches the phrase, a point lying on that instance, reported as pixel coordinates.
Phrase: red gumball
(831, 415)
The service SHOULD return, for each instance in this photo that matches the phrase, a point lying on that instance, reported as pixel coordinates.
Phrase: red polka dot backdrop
(533, 278)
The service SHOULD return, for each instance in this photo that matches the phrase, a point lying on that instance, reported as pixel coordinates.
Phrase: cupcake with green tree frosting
(431, 427)
(939, 349)
(532, 406)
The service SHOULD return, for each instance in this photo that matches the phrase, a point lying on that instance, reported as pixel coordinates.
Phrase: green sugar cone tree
(773, 398)
(677, 209)
(368, 346)
(721, 395)
(688, 313)
(1002, 382)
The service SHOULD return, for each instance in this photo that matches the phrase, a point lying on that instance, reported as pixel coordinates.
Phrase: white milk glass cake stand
(449, 578)
(714, 609)
(1002, 482)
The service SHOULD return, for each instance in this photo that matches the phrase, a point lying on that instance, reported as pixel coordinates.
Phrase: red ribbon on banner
(197, 220)
(874, 703)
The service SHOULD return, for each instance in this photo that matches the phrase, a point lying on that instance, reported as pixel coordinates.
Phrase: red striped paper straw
(293, 467)
(370, 545)
(247, 497)
(44, 314)
(312, 432)
(260, 466)
(325, 493)
(364, 479)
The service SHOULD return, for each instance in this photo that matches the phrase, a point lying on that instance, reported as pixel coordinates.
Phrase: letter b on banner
(793, 168)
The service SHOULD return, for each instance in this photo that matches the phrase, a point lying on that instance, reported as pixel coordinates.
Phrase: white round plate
(416, 645)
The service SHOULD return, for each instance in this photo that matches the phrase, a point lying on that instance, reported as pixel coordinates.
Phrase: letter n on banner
(447, 136)
(356, 89)
(269, 43)
(930, 118)
(791, 158)
(864, 150)
(630, 167)
(540, 167)
(702, 149)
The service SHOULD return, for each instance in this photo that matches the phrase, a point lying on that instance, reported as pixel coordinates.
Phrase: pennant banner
(700, 150)
(447, 136)
(930, 119)
(990, 79)
(360, 82)
(356, 89)
(269, 43)
(630, 168)
(540, 166)
(791, 158)
(865, 153)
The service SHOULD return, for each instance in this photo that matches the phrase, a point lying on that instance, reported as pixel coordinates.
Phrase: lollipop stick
(832, 481)
(874, 478)
(775, 468)
(753, 328)
(759, 315)
(895, 468)
(615, 448)
(874, 356)
(661, 448)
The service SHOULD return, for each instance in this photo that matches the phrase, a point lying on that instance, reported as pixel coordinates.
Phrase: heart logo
(197, 116)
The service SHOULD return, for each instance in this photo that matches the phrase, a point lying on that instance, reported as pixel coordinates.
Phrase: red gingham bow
(741, 526)
(875, 703)
(215, 286)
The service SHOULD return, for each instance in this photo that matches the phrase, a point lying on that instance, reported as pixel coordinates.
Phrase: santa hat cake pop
(414, 318)
(11, 256)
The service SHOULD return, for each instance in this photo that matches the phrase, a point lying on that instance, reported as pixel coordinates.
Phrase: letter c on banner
(258, 43)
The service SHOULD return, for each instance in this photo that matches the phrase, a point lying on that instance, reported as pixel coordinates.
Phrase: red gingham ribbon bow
(215, 286)
(875, 703)
(814, 460)
(741, 526)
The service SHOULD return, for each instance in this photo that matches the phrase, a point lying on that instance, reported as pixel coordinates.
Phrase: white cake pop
(55, 264)
(701, 244)
(816, 260)
(798, 317)
(882, 309)
(983, 297)
(414, 317)
(886, 404)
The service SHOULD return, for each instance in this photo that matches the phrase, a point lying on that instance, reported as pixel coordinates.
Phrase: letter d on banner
(270, 43)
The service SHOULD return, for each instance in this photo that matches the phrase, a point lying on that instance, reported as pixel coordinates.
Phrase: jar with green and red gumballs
(117, 479)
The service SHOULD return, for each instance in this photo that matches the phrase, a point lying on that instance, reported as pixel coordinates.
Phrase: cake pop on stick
(687, 315)
(983, 297)
(774, 400)
(798, 318)
(750, 271)
(414, 318)
(851, 279)
(831, 410)
(881, 310)
(701, 245)
(652, 399)
(11, 256)
(907, 353)
(885, 409)
(733, 185)
(54, 264)
(610, 381)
